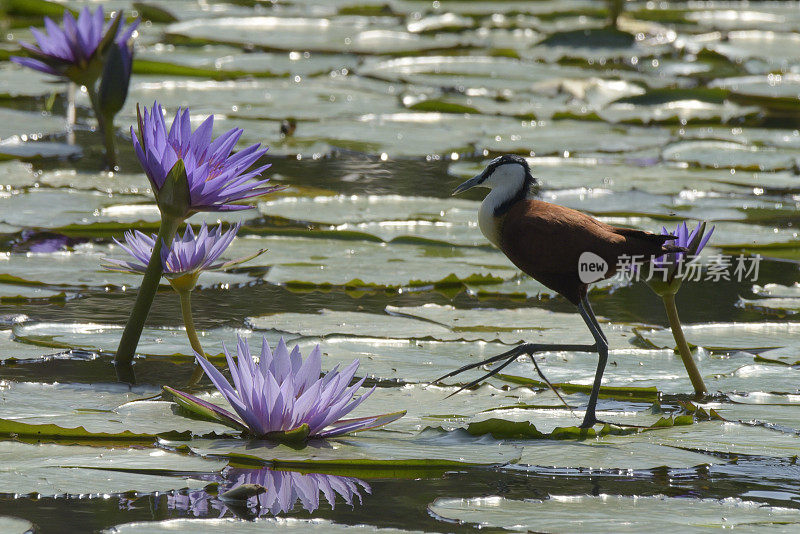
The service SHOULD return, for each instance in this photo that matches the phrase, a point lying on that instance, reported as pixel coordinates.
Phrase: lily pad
(777, 290)
(576, 513)
(721, 438)
(598, 454)
(468, 72)
(99, 337)
(440, 134)
(775, 18)
(24, 125)
(683, 111)
(340, 262)
(776, 93)
(772, 306)
(569, 136)
(781, 416)
(63, 206)
(12, 349)
(310, 99)
(16, 82)
(344, 34)
(223, 526)
(102, 415)
(17, 148)
(385, 216)
(436, 323)
(223, 62)
(775, 48)
(15, 525)
(116, 184)
(330, 322)
(49, 470)
(731, 336)
(372, 446)
(81, 267)
(722, 154)
(533, 325)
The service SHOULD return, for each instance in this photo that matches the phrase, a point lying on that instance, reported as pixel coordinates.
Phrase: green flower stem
(146, 294)
(191, 333)
(106, 127)
(71, 114)
(683, 346)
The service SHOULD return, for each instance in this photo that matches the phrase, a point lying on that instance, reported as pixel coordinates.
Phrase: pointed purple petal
(362, 423)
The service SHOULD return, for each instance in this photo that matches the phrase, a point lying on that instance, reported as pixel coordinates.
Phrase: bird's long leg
(525, 348)
(602, 352)
(513, 354)
(588, 307)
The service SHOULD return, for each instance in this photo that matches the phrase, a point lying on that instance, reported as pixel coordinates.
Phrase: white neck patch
(505, 183)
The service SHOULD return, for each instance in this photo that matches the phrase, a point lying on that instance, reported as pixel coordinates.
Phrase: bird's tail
(649, 237)
(666, 249)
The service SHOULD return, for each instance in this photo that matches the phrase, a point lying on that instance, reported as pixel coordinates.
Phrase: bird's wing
(540, 237)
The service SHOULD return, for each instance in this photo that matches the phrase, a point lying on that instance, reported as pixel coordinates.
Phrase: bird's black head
(506, 159)
(508, 171)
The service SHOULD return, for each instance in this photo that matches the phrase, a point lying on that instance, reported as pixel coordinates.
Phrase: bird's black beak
(469, 184)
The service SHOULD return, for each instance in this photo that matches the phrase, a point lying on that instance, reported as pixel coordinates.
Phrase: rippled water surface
(681, 111)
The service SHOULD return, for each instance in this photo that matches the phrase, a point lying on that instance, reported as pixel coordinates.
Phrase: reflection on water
(262, 492)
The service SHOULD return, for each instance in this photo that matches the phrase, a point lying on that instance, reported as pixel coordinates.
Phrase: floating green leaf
(50, 433)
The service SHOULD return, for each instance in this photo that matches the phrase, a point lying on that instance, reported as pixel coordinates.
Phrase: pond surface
(681, 112)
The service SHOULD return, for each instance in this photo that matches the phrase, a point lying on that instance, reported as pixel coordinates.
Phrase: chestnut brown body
(546, 241)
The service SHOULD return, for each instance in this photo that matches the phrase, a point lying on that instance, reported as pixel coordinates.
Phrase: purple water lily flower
(283, 393)
(77, 51)
(187, 254)
(668, 270)
(685, 239)
(216, 179)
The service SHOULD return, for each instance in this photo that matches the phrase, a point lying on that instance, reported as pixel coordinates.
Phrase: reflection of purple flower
(51, 244)
(35, 241)
(195, 502)
(189, 253)
(285, 488)
(71, 52)
(279, 492)
(216, 179)
(281, 392)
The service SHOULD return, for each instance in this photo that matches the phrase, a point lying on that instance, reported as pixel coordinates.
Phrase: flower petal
(362, 423)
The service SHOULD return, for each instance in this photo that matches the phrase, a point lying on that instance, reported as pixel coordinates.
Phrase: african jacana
(546, 242)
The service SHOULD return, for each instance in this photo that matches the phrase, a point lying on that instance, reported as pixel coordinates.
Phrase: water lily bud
(115, 80)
